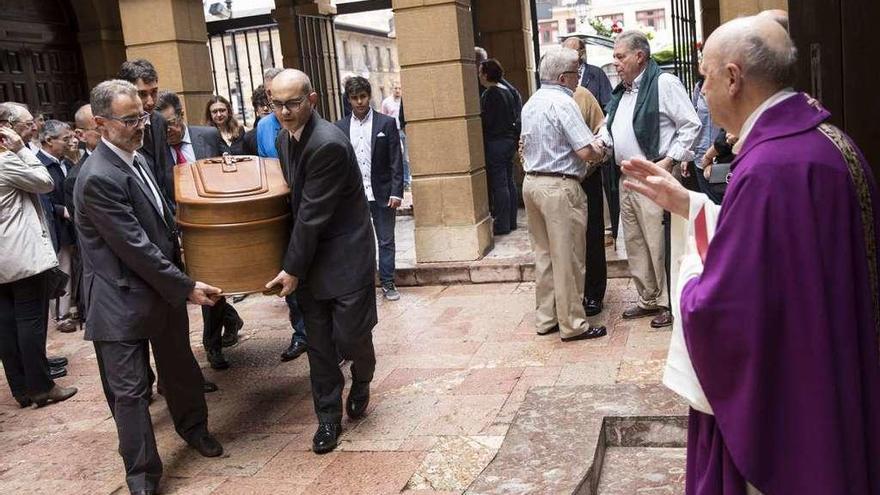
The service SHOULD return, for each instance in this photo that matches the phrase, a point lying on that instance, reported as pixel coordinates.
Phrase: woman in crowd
(218, 113)
(499, 112)
(26, 260)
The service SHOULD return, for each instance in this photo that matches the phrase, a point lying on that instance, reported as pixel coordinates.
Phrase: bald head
(83, 117)
(758, 45)
(291, 80)
(778, 15)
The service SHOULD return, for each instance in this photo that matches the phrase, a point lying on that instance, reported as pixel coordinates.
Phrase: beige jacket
(25, 243)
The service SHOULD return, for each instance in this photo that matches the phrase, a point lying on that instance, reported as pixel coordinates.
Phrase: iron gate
(684, 36)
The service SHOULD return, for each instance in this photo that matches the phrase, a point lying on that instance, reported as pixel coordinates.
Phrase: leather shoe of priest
(358, 400)
(56, 373)
(326, 437)
(206, 444)
(553, 329)
(590, 333)
(592, 306)
(295, 350)
(57, 362)
(640, 312)
(664, 319)
(216, 359)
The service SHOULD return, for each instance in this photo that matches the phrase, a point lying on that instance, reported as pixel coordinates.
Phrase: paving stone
(454, 463)
(366, 473)
(629, 470)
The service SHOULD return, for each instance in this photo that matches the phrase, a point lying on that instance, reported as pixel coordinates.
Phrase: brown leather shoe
(640, 312)
(664, 319)
(57, 394)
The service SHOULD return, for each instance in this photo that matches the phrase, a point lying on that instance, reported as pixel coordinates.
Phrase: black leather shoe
(206, 444)
(590, 333)
(230, 336)
(553, 329)
(640, 312)
(55, 373)
(216, 359)
(664, 319)
(295, 350)
(23, 400)
(592, 307)
(57, 362)
(326, 437)
(358, 400)
(210, 387)
(57, 394)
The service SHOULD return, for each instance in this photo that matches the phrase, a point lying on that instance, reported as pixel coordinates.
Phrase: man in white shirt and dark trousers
(650, 116)
(376, 143)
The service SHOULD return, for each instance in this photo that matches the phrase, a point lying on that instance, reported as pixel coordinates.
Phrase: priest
(779, 299)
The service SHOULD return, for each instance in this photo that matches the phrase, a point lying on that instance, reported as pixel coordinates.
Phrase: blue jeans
(296, 319)
(383, 223)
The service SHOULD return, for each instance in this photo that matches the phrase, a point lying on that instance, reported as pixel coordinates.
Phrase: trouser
(215, 317)
(404, 157)
(123, 368)
(643, 232)
(76, 282)
(65, 263)
(383, 224)
(343, 323)
(502, 188)
(596, 272)
(556, 209)
(611, 182)
(24, 310)
(294, 314)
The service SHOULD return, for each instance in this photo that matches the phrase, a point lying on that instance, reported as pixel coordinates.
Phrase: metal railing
(684, 36)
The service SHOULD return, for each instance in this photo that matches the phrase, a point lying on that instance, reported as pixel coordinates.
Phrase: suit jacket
(386, 167)
(206, 142)
(595, 80)
(154, 152)
(70, 182)
(331, 248)
(132, 279)
(248, 144)
(64, 231)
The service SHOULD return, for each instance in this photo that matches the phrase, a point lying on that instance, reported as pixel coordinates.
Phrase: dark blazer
(130, 254)
(331, 248)
(248, 144)
(386, 167)
(206, 142)
(155, 155)
(70, 181)
(64, 232)
(595, 80)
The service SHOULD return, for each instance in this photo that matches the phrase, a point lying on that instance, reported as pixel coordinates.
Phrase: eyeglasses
(131, 121)
(290, 105)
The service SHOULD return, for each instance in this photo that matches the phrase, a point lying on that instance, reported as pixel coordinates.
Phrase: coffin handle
(229, 165)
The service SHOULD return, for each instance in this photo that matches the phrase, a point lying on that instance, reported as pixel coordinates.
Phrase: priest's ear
(733, 75)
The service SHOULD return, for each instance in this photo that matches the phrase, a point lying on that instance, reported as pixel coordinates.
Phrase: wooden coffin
(234, 220)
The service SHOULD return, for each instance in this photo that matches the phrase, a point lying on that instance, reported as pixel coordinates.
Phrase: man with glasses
(135, 290)
(330, 261)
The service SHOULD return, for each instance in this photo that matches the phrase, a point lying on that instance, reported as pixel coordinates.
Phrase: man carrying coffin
(779, 308)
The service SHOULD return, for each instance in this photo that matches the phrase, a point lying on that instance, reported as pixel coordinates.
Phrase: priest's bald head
(745, 61)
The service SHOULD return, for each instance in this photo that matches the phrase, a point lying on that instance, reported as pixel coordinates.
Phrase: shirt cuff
(395, 197)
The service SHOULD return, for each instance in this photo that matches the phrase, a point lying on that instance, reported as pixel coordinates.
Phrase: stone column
(172, 35)
(731, 9)
(439, 80)
(100, 38)
(504, 29)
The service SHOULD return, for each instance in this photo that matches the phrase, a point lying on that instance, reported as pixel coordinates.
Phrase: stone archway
(100, 38)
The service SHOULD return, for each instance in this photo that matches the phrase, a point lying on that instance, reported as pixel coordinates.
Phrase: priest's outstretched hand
(658, 185)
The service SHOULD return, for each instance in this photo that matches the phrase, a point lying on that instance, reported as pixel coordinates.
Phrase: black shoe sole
(290, 357)
(592, 333)
(642, 315)
(325, 450)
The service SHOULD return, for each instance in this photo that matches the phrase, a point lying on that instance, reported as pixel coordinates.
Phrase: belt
(558, 175)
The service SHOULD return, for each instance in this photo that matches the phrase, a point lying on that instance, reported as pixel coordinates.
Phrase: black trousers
(123, 367)
(215, 318)
(503, 195)
(344, 323)
(24, 315)
(596, 276)
(611, 182)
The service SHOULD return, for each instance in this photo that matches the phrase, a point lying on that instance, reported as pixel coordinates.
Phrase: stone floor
(454, 365)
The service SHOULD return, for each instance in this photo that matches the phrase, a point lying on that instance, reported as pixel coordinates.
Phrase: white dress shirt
(679, 123)
(128, 158)
(360, 134)
(756, 114)
(553, 129)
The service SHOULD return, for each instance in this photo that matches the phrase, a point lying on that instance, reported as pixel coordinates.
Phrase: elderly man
(135, 290)
(589, 76)
(780, 308)
(649, 116)
(555, 144)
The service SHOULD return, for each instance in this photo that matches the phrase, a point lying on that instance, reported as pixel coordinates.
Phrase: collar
(367, 118)
(127, 157)
(556, 87)
(756, 114)
(297, 134)
(186, 138)
(49, 156)
(634, 87)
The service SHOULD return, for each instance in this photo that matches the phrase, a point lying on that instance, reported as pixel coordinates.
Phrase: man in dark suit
(55, 138)
(134, 290)
(143, 75)
(186, 144)
(376, 143)
(331, 258)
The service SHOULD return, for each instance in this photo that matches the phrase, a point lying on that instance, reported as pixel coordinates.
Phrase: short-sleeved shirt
(553, 129)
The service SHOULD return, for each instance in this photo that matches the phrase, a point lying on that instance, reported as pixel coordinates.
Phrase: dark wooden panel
(861, 79)
(816, 30)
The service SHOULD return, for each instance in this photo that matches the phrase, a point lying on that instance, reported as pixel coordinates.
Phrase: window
(379, 64)
(366, 53)
(390, 60)
(549, 32)
(610, 19)
(570, 25)
(346, 56)
(652, 18)
(231, 62)
(266, 53)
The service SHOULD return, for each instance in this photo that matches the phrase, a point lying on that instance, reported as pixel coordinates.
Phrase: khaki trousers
(557, 217)
(642, 222)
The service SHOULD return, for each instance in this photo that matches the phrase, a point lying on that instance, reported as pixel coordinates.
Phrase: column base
(453, 242)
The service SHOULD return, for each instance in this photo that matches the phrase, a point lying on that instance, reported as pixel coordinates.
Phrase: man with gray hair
(556, 144)
(650, 116)
(19, 117)
(778, 292)
(135, 290)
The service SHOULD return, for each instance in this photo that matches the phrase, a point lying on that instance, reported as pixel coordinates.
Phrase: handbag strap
(863, 194)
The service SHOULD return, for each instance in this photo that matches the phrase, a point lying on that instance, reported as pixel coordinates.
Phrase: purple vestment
(781, 327)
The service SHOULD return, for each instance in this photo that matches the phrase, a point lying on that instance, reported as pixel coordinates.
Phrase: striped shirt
(553, 129)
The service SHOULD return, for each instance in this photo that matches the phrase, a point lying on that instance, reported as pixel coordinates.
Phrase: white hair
(634, 41)
(556, 61)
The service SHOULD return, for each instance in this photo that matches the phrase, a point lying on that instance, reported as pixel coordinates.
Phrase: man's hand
(287, 282)
(656, 184)
(204, 294)
(707, 171)
(394, 203)
(600, 149)
(666, 164)
(66, 214)
(684, 170)
(10, 139)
